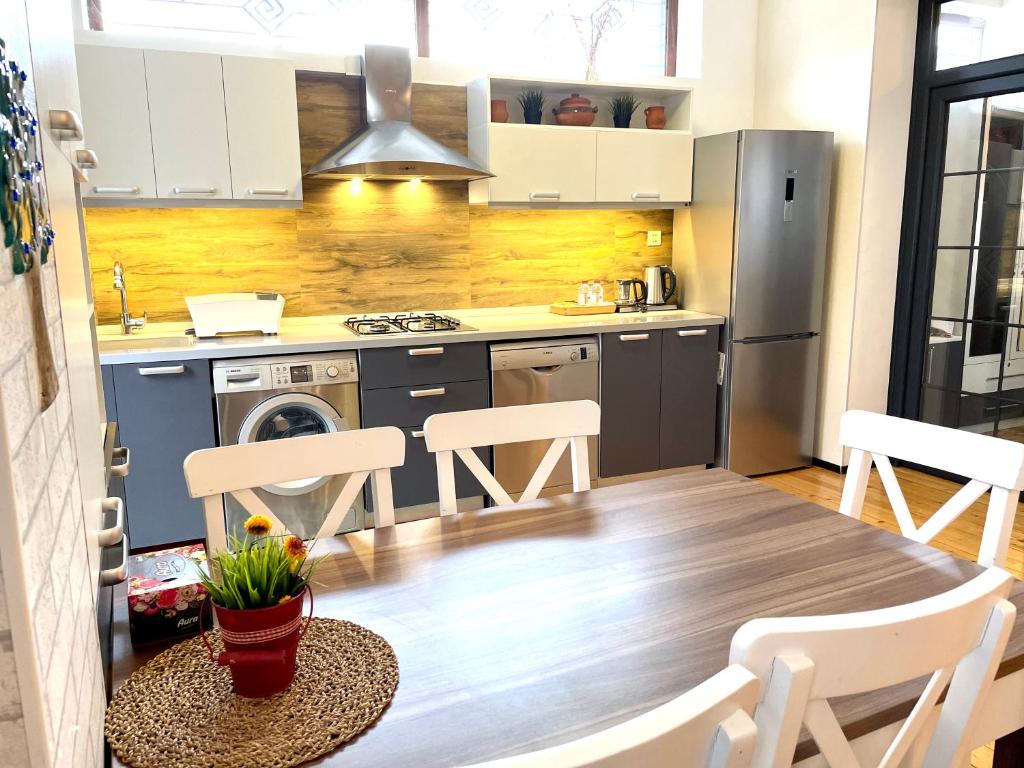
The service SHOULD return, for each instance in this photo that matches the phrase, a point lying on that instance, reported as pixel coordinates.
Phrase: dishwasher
(542, 371)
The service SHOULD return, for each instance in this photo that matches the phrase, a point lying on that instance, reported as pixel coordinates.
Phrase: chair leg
(856, 486)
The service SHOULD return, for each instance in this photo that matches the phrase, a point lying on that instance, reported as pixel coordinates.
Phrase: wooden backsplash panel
(391, 246)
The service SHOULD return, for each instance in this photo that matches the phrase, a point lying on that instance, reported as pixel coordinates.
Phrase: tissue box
(165, 594)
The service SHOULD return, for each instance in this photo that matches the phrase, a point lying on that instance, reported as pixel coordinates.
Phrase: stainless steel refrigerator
(760, 222)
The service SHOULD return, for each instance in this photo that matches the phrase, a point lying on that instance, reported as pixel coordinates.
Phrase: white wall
(724, 99)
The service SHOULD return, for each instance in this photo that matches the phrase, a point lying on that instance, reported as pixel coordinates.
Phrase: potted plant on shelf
(623, 106)
(532, 102)
(258, 590)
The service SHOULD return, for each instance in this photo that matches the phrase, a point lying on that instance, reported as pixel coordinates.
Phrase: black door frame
(922, 196)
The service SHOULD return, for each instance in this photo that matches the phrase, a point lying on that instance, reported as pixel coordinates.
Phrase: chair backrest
(238, 469)
(565, 424)
(992, 464)
(957, 637)
(707, 726)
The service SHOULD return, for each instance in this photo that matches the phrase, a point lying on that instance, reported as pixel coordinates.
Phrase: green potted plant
(257, 589)
(623, 106)
(532, 102)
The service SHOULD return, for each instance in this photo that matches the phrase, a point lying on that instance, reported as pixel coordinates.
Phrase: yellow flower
(284, 599)
(295, 547)
(258, 525)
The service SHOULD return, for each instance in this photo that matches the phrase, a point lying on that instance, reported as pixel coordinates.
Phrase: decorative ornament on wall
(24, 211)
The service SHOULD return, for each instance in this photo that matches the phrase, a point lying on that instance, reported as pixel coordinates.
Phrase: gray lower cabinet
(689, 389)
(658, 399)
(164, 412)
(630, 402)
(403, 387)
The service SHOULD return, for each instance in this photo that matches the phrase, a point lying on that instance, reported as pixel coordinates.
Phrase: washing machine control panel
(327, 371)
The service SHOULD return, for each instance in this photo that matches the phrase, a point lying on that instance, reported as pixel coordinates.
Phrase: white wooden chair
(237, 469)
(957, 637)
(993, 465)
(565, 424)
(707, 727)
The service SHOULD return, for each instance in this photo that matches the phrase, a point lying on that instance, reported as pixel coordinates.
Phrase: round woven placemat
(178, 710)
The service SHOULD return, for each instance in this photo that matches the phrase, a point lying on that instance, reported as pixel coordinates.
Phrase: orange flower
(284, 599)
(258, 525)
(295, 548)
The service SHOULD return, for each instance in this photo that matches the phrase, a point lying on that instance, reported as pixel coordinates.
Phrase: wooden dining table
(521, 627)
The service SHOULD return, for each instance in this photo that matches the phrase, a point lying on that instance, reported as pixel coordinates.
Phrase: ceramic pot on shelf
(655, 117)
(499, 111)
(575, 110)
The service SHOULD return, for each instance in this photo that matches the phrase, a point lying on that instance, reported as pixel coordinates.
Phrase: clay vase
(655, 117)
(499, 111)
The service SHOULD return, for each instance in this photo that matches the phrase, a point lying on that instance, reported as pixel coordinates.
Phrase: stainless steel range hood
(388, 146)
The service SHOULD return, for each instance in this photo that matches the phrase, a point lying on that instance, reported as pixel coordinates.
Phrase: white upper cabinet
(644, 166)
(115, 112)
(191, 128)
(549, 165)
(540, 165)
(263, 128)
(190, 134)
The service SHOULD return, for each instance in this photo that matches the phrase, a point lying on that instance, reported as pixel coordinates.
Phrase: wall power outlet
(654, 237)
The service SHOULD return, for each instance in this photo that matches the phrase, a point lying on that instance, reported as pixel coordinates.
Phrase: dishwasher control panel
(506, 357)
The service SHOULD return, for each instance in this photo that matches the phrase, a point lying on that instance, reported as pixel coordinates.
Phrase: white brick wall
(45, 508)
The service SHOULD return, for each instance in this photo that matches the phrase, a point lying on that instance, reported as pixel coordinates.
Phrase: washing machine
(286, 398)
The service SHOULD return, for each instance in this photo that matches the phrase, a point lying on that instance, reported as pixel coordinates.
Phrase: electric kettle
(630, 293)
(661, 284)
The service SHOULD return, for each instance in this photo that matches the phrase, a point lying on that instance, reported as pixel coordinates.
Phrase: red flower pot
(260, 646)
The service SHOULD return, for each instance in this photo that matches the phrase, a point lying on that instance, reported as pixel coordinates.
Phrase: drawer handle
(417, 433)
(280, 191)
(87, 159)
(116, 190)
(66, 124)
(122, 469)
(241, 378)
(436, 392)
(646, 195)
(117, 574)
(545, 195)
(162, 370)
(697, 332)
(108, 537)
(426, 351)
(634, 336)
(194, 190)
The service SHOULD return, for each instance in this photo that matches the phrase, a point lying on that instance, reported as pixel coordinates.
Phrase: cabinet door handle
(646, 195)
(117, 574)
(417, 433)
(66, 124)
(545, 195)
(280, 191)
(108, 537)
(436, 392)
(695, 332)
(86, 158)
(122, 469)
(426, 351)
(116, 190)
(194, 190)
(162, 370)
(634, 336)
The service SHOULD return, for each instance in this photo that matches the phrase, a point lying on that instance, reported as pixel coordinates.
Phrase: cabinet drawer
(402, 366)
(415, 482)
(689, 393)
(410, 406)
(630, 402)
(164, 412)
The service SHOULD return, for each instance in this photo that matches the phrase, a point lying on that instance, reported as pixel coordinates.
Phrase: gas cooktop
(405, 322)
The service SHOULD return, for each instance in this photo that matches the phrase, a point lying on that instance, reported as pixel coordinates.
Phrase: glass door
(974, 362)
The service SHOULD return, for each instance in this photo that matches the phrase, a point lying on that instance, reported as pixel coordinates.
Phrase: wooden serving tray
(572, 308)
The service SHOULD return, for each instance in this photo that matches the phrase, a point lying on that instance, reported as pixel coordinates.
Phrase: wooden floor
(924, 494)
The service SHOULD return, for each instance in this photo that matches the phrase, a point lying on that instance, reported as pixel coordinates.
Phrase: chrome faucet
(128, 323)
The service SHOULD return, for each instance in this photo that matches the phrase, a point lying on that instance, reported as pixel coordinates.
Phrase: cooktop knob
(332, 371)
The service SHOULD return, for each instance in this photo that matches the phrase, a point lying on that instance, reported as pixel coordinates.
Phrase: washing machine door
(294, 414)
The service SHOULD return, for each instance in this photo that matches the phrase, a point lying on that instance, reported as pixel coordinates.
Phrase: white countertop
(167, 341)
